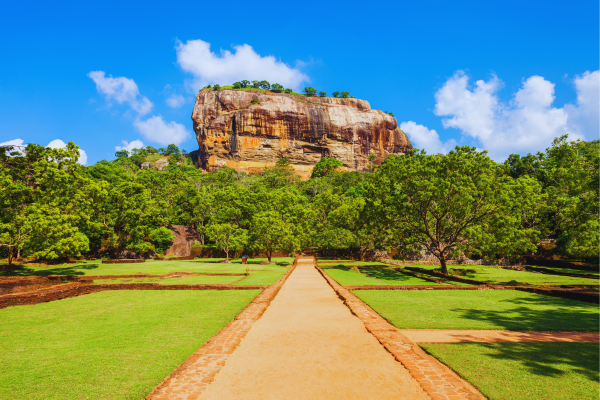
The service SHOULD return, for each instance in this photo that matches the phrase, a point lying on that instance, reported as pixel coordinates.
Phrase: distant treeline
(53, 207)
(277, 88)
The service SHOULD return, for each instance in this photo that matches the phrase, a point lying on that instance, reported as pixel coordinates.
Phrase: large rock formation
(250, 130)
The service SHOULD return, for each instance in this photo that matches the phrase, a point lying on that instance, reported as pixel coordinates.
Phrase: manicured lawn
(507, 371)
(500, 276)
(387, 276)
(82, 268)
(481, 309)
(184, 280)
(352, 263)
(108, 345)
(266, 277)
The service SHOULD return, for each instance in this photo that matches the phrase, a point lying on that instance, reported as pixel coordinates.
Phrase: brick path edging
(192, 377)
(436, 379)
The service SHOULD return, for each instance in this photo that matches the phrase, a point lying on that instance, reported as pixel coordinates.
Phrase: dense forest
(54, 208)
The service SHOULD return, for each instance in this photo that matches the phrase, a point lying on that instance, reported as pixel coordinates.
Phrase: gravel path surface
(307, 345)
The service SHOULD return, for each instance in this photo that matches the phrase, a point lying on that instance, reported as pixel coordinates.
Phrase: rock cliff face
(249, 130)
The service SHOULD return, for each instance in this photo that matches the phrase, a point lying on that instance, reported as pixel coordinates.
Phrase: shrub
(345, 94)
(217, 87)
(325, 166)
(288, 91)
(277, 88)
(162, 238)
(309, 91)
(237, 85)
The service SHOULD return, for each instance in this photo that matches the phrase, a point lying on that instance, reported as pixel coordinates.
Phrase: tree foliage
(54, 208)
(325, 166)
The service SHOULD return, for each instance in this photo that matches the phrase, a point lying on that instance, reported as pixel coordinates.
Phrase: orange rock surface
(251, 130)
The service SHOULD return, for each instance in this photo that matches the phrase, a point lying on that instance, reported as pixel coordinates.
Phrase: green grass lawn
(481, 309)
(107, 345)
(507, 371)
(352, 263)
(184, 280)
(499, 276)
(387, 276)
(83, 268)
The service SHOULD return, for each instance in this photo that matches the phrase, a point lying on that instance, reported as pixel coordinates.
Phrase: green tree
(122, 154)
(572, 172)
(336, 94)
(256, 84)
(288, 91)
(228, 237)
(216, 87)
(309, 91)
(161, 238)
(245, 83)
(237, 85)
(345, 94)
(171, 150)
(270, 232)
(447, 203)
(45, 200)
(264, 85)
(322, 94)
(128, 215)
(325, 166)
(277, 88)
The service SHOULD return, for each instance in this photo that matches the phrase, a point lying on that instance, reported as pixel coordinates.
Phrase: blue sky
(537, 63)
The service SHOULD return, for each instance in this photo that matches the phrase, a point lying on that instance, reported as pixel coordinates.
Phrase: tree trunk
(360, 252)
(443, 263)
(10, 256)
(226, 253)
(269, 254)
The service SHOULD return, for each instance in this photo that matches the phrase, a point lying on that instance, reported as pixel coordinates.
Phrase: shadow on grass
(565, 315)
(543, 358)
(383, 273)
(70, 270)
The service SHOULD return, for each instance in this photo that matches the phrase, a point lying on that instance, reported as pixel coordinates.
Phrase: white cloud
(423, 138)
(156, 130)
(122, 90)
(527, 123)
(59, 144)
(14, 142)
(195, 57)
(584, 117)
(135, 144)
(175, 101)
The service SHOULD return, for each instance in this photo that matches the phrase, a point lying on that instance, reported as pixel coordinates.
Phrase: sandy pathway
(490, 336)
(307, 345)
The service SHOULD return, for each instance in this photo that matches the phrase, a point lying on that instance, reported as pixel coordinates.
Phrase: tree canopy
(459, 203)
